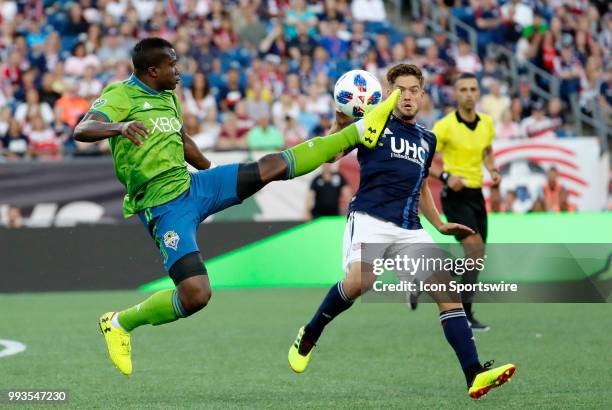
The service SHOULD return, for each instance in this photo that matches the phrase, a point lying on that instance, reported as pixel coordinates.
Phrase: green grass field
(233, 354)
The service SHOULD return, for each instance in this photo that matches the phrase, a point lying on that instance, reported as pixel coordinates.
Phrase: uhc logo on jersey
(400, 148)
(165, 124)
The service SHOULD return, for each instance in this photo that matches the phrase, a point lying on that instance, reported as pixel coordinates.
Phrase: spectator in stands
(428, 114)
(52, 50)
(229, 138)
(208, 136)
(306, 119)
(383, 50)
(292, 131)
(368, 10)
(89, 86)
(605, 91)
(33, 107)
(569, 69)
(258, 98)
(554, 195)
(244, 119)
(465, 60)
(14, 142)
(265, 136)
(285, 106)
(112, 50)
(76, 23)
(224, 36)
(525, 99)
(250, 30)
(43, 142)
(506, 128)
(359, 44)
(231, 92)
(47, 93)
(300, 14)
(71, 106)
(538, 125)
(519, 12)
(15, 219)
(198, 98)
(275, 42)
(327, 191)
(494, 103)
(423, 38)
(303, 42)
(488, 21)
(76, 63)
(330, 38)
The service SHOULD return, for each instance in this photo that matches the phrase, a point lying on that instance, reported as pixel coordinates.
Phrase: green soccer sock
(309, 155)
(161, 307)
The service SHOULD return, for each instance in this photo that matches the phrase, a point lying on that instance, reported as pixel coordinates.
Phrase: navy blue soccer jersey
(392, 174)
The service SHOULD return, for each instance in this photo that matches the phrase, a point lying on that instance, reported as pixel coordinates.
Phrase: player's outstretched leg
(192, 293)
(309, 155)
(339, 298)
(480, 379)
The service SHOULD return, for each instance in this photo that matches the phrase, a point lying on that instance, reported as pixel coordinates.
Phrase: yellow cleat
(298, 361)
(118, 343)
(373, 124)
(490, 379)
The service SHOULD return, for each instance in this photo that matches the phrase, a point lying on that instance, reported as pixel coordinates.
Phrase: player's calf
(194, 293)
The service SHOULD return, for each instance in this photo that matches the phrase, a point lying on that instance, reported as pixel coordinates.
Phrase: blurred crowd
(258, 74)
(572, 40)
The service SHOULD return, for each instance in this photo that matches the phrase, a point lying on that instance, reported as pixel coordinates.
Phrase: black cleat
(477, 326)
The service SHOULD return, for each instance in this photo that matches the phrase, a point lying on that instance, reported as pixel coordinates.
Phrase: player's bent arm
(427, 206)
(94, 127)
(193, 155)
(489, 163)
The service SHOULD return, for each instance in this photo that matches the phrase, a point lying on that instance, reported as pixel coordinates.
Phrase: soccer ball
(356, 93)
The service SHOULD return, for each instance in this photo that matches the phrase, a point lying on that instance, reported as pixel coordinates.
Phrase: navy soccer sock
(460, 337)
(335, 302)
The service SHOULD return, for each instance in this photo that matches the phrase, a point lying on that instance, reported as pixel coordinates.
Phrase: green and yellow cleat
(375, 121)
(490, 378)
(299, 352)
(118, 343)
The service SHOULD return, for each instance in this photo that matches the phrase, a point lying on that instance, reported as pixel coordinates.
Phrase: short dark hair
(402, 70)
(466, 76)
(145, 53)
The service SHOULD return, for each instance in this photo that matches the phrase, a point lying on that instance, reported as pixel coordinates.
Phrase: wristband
(444, 177)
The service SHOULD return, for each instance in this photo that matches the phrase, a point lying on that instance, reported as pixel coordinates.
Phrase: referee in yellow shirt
(464, 140)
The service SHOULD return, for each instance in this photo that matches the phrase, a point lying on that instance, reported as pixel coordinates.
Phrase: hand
(342, 120)
(455, 229)
(495, 177)
(134, 131)
(455, 183)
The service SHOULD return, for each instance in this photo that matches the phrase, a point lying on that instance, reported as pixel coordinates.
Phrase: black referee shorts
(466, 207)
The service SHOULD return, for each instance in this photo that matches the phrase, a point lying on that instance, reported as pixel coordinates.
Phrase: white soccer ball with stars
(357, 92)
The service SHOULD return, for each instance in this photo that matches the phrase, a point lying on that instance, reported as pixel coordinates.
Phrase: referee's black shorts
(466, 207)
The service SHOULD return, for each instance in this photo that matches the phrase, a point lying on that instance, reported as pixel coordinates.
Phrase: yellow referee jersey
(463, 148)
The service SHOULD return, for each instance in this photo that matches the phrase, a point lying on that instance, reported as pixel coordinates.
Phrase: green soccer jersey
(154, 172)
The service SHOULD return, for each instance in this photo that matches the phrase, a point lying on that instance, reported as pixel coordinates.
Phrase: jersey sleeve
(439, 129)
(113, 104)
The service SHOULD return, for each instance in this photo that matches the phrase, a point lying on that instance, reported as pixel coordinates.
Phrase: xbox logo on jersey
(166, 124)
(400, 148)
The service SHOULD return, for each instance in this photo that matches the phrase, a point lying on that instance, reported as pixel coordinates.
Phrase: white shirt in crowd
(368, 10)
(21, 113)
(533, 127)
